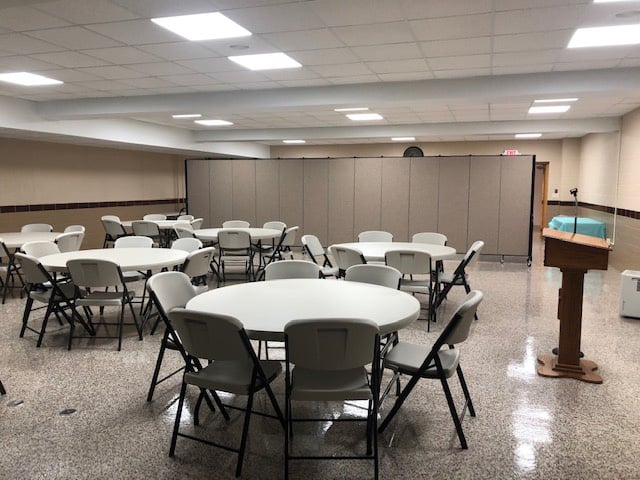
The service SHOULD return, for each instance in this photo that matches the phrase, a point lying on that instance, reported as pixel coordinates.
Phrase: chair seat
(408, 358)
(415, 286)
(43, 296)
(103, 299)
(310, 384)
(449, 278)
(232, 376)
(133, 276)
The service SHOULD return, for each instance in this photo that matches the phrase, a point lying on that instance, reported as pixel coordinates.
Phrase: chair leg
(245, 431)
(465, 390)
(454, 413)
(156, 371)
(44, 324)
(176, 425)
(25, 315)
(2, 390)
(399, 401)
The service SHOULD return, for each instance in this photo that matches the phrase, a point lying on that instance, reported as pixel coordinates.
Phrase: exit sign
(511, 152)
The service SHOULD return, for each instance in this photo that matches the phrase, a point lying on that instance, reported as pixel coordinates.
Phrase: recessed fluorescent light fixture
(202, 26)
(403, 139)
(550, 109)
(213, 123)
(27, 79)
(364, 117)
(528, 135)
(265, 61)
(187, 115)
(294, 141)
(351, 109)
(605, 36)
(556, 100)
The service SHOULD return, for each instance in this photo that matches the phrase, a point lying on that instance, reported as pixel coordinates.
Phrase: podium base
(585, 372)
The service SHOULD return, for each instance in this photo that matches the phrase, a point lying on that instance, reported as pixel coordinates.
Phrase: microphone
(574, 192)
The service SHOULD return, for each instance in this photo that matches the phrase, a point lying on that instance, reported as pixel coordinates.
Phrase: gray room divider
(468, 198)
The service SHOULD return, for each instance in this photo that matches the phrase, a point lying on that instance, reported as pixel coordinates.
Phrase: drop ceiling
(437, 70)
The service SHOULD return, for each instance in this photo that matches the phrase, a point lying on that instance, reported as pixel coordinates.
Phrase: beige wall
(44, 173)
(629, 183)
(598, 169)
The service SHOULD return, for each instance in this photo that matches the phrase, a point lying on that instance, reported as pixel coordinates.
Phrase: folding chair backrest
(331, 344)
(236, 224)
(383, 275)
(113, 227)
(198, 262)
(183, 230)
(473, 253)
(133, 241)
(290, 235)
(70, 241)
(40, 249)
(32, 270)
(145, 228)
(275, 225)
(188, 244)
(37, 227)
(409, 262)
(113, 218)
(4, 252)
(197, 223)
(291, 269)
(75, 228)
(431, 238)
(234, 239)
(375, 236)
(313, 246)
(186, 217)
(462, 318)
(94, 273)
(154, 216)
(346, 257)
(170, 290)
(209, 336)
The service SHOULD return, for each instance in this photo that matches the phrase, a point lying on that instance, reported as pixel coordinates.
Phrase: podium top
(577, 238)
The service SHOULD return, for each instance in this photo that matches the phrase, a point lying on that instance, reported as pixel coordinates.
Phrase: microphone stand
(574, 192)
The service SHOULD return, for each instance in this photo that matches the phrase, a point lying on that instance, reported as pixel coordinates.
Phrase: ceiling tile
(405, 77)
(398, 66)
(25, 64)
(210, 65)
(165, 8)
(518, 69)
(160, 68)
(277, 18)
(342, 70)
(460, 62)
(531, 58)
(135, 32)
(122, 55)
(356, 12)
(177, 50)
(147, 82)
(325, 56)
(414, 9)
(376, 34)
(312, 82)
(242, 76)
(304, 39)
(290, 74)
(81, 11)
(462, 73)
(354, 79)
(74, 37)
(239, 46)
(105, 85)
(113, 72)
(189, 79)
(396, 51)
(537, 19)
(456, 47)
(453, 27)
(523, 42)
(69, 59)
(21, 19)
(18, 43)
(69, 75)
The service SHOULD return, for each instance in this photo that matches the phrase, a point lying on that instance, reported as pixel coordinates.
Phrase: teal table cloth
(586, 226)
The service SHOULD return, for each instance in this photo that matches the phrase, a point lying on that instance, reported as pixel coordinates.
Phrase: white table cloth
(376, 251)
(265, 307)
(128, 259)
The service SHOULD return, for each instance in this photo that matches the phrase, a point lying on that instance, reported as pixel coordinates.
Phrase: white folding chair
(36, 227)
(75, 228)
(431, 238)
(154, 216)
(70, 241)
(186, 217)
(188, 244)
(236, 224)
(291, 269)
(312, 246)
(375, 236)
(383, 275)
(40, 249)
(346, 257)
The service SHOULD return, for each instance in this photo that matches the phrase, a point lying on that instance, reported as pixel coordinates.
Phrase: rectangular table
(586, 226)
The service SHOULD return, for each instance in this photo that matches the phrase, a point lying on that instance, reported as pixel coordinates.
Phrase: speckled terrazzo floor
(526, 426)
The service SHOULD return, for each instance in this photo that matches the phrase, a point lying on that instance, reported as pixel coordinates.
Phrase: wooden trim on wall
(71, 206)
(623, 212)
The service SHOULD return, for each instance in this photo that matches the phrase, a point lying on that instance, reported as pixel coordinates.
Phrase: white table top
(162, 224)
(211, 234)
(376, 251)
(128, 258)
(265, 307)
(15, 240)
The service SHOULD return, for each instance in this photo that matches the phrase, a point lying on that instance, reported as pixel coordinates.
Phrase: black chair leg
(44, 325)
(156, 371)
(2, 390)
(176, 425)
(245, 433)
(465, 390)
(454, 413)
(25, 315)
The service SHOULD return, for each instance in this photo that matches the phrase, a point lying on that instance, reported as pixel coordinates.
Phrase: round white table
(256, 234)
(376, 251)
(15, 240)
(162, 224)
(264, 308)
(127, 258)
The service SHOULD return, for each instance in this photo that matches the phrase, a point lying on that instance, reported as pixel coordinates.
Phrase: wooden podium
(573, 254)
